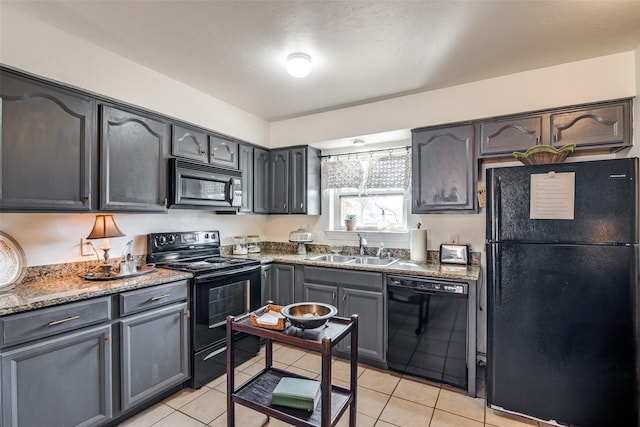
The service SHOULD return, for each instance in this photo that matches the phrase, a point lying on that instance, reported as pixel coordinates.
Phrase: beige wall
(53, 238)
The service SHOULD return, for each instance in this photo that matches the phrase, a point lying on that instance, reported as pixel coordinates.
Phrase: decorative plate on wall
(13, 263)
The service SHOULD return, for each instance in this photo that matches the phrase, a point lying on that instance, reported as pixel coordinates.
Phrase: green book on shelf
(297, 393)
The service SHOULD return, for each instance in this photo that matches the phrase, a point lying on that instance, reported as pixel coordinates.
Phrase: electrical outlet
(86, 248)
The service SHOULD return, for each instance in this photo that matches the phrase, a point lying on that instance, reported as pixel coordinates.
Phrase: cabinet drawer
(336, 276)
(32, 325)
(155, 296)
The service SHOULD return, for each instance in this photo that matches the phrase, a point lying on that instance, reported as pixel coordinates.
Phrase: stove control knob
(161, 240)
(171, 238)
(206, 235)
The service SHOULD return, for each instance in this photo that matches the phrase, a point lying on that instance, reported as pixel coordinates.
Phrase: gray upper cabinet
(47, 147)
(506, 135)
(223, 152)
(261, 160)
(602, 126)
(294, 181)
(189, 143)
(443, 170)
(133, 158)
(245, 158)
(598, 126)
(279, 181)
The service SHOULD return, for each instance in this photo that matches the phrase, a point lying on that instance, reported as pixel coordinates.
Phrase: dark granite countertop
(463, 272)
(53, 291)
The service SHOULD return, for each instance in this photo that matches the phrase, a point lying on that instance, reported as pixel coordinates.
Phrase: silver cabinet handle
(301, 205)
(68, 319)
(159, 297)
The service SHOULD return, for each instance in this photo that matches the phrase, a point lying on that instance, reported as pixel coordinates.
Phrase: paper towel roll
(419, 245)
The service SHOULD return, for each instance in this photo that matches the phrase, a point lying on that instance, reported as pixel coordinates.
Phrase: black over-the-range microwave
(198, 185)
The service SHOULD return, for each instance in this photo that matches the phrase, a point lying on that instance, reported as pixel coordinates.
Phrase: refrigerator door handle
(496, 201)
(495, 277)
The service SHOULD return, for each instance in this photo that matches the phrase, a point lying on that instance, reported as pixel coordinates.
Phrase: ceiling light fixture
(357, 142)
(299, 64)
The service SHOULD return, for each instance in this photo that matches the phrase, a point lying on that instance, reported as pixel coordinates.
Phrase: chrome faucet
(361, 242)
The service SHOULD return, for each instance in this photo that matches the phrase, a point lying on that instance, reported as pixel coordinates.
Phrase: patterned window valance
(342, 173)
(389, 172)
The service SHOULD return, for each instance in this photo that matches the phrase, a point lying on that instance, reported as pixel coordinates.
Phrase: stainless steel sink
(375, 261)
(346, 259)
(333, 258)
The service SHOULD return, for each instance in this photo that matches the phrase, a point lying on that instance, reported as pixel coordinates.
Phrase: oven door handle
(215, 353)
(226, 274)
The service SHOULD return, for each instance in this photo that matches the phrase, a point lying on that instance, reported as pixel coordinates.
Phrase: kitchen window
(378, 210)
(374, 188)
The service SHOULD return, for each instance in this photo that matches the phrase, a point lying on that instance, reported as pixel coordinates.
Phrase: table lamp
(104, 228)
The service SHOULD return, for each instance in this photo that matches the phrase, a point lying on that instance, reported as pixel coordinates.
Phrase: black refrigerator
(562, 296)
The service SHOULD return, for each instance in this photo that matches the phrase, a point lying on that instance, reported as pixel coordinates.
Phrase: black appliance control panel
(427, 285)
(161, 242)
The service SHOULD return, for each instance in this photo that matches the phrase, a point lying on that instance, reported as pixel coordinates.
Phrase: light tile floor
(385, 399)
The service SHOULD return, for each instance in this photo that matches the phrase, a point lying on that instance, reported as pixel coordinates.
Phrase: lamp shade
(104, 227)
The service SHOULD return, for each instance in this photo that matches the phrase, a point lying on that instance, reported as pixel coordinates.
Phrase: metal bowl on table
(309, 315)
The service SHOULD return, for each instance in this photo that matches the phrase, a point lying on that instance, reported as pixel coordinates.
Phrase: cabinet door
(602, 126)
(63, 381)
(265, 282)
(223, 152)
(282, 284)
(443, 170)
(189, 143)
(321, 293)
(369, 307)
(155, 353)
(504, 136)
(246, 167)
(298, 180)
(279, 182)
(133, 162)
(261, 160)
(47, 147)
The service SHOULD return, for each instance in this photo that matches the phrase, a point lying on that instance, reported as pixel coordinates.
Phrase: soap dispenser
(382, 252)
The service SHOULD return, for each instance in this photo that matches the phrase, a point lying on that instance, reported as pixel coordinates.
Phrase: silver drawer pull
(68, 319)
(159, 297)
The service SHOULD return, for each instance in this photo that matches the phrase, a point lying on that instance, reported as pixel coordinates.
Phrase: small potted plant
(350, 222)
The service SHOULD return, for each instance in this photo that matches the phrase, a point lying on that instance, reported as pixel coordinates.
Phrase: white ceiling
(362, 50)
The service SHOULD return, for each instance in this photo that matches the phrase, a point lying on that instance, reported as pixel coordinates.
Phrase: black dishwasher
(427, 328)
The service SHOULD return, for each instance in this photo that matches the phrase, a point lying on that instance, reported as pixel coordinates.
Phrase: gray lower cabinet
(56, 365)
(155, 353)
(47, 147)
(443, 178)
(133, 161)
(282, 284)
(352, 292)
(265, 284)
